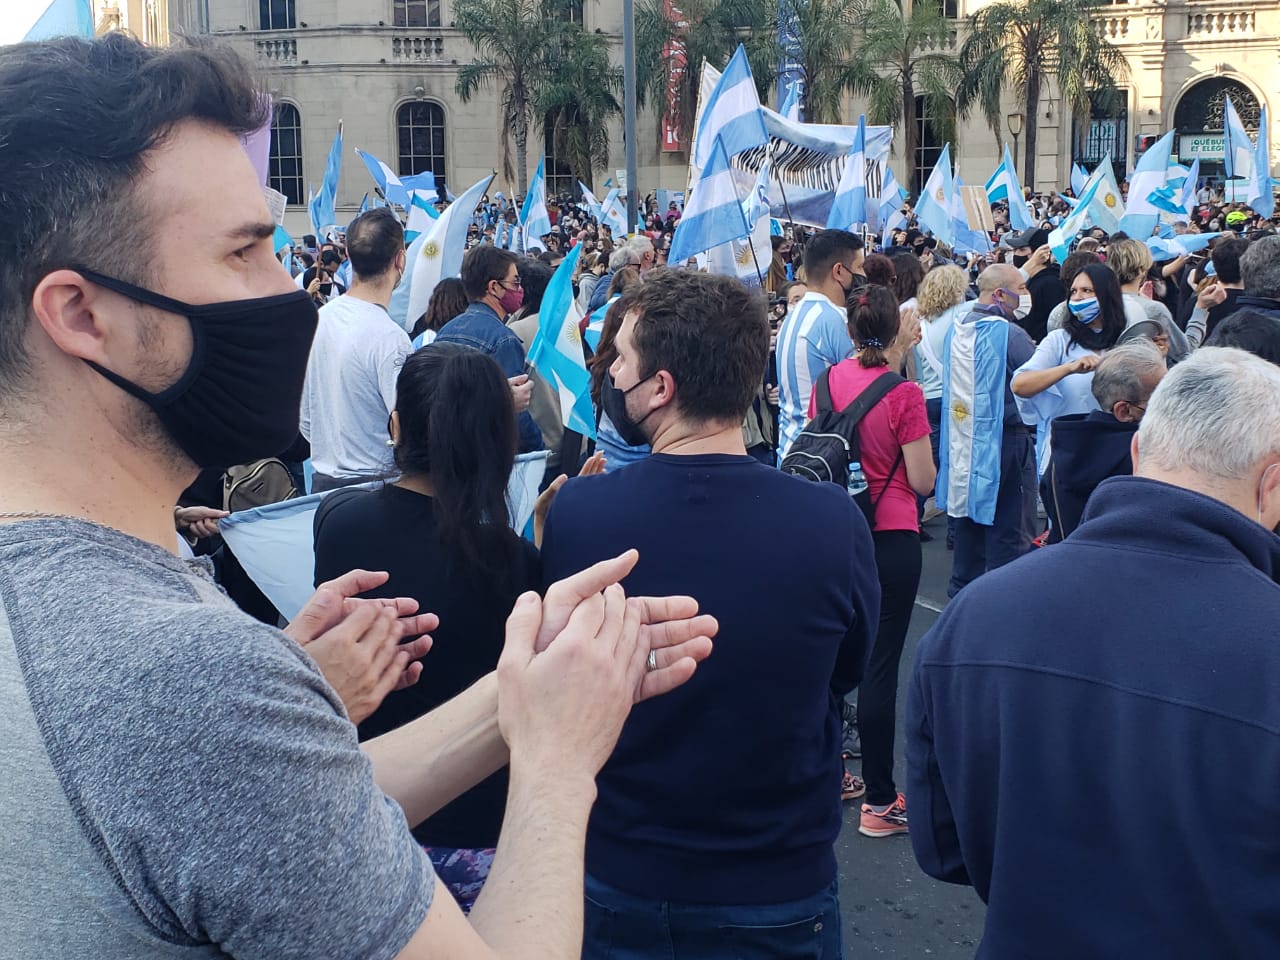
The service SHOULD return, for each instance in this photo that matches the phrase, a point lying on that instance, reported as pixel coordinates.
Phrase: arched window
(1198, 119)
(929, 143)
(420, 135)
(284, 170)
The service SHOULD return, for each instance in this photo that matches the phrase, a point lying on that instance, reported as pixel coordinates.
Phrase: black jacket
(1087, 448)
(1047, 292)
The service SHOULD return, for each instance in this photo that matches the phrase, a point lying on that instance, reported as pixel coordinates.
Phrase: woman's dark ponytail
(873, 323)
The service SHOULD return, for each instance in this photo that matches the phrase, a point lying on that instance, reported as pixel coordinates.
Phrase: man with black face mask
(735, 863)
(178, 780)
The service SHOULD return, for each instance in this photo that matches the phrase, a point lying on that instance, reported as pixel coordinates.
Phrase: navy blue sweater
(1093, 736)
(727, 791)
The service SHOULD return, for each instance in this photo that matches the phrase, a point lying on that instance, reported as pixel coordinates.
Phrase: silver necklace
(36, 515)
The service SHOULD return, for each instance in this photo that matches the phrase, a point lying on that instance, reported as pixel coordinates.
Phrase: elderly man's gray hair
(1122, 371)
(1216, 414)
(1260, 268)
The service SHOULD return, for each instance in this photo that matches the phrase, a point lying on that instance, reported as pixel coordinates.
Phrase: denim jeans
(620, 926)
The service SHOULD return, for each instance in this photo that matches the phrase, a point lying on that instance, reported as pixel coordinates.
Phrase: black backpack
(828, 444)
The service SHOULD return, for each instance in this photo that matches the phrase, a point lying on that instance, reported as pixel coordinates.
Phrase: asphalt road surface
(891, 907)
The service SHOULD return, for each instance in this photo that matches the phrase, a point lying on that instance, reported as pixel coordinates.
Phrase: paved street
(891, 908)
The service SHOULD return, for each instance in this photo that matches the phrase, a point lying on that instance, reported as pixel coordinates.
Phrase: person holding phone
(320, 281)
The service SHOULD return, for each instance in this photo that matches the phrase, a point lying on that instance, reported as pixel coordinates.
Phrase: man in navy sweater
(686, 856)
(1093, 732)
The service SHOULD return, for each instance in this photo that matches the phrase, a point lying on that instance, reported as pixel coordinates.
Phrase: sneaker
(892, 821)
(851, 788)
(931, 510)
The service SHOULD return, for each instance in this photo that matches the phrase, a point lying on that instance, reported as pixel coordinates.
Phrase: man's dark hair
(534, 277)
(825, 249)
(374, 240)
(331, 258)
(76, 119)
(309, 240)
(483, 264)
(1251, 330)
(1226, 258)
(710, 333)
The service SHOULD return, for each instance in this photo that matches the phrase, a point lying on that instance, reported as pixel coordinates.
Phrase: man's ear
(1133, 453)
(65, 305)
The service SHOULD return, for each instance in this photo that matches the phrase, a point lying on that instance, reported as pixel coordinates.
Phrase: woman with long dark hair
(898, 464)
(1057, 380)
(441, 532)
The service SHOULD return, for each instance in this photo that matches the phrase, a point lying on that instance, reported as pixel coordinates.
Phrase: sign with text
(1210, 146)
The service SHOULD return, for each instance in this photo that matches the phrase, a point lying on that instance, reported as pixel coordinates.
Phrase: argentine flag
(1141, 215)
(556, 352)
(1061, 236)
(933, 208)
(968, 240)
(1004, 185)
(613, 213)
(850, 205)
(1261, 196)
(595, 323)
(393, 191)
(975, 361)
(1170, 248)
(434, 255)
(534, 219)
(713, 215)
(1107, 206)
(321, 204)
(791, 105)
(589, 198)
(422, 213)
(1237, 145)
(1078, 178)
(731, 114)
(276, 547)
(889, 215)
(32, 20)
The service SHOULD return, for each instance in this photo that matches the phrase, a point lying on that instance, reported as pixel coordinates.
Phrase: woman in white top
(940, 301)
(1057, 380)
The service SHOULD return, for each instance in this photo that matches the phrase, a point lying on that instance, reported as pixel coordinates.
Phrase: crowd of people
(477, 743)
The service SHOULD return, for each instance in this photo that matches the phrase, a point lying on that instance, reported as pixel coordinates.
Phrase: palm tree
(512, 39)
(1025, 44)
(825, 33)
(577, 102)
(708, 30)
(904, 56)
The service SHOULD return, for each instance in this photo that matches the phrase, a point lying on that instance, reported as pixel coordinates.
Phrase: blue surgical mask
(1086, 311)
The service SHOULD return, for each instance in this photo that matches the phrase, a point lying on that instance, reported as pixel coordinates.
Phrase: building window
(929, 143)
(416, 13)
(948, 8)
(276, 15)
(559, 175)
(1107, 133)
(420, 134)
(285, 162)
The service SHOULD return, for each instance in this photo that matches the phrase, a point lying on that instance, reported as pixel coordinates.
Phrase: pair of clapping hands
(574, 663)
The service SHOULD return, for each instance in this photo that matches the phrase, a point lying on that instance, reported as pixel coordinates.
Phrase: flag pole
(781, 188)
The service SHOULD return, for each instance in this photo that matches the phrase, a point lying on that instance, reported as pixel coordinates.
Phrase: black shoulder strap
(824, 392)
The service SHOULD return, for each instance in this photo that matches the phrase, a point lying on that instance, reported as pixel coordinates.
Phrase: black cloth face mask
(240, 396)
(614, 402)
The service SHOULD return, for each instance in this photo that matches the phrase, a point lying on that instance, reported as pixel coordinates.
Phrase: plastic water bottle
(857, 479)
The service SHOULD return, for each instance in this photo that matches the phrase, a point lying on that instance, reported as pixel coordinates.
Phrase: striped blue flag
(1237, 145)
(731, 114)
(534, 218)
(973, 383)
(1261, 196)
(791, 105)
(1061, 236)
(46, 19)
(1140, 214)
(1078, 179)
(1004, 185)
(556, 352)
(713, 214)
(322, 204)
(595, 323)
(393, 190)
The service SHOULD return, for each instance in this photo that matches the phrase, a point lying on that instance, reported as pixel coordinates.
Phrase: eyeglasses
(510, 283)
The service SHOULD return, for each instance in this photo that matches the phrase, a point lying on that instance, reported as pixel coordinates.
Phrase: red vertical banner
(673, 58)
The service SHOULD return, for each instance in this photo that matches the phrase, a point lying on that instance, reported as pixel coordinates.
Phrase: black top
(1047, 292)
(394, 529)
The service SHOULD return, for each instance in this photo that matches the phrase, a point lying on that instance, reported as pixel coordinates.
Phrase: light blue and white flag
(1061, 236)
(280, 239)
(595, 323)
(1079, 177)
(850, 206)
(613, 213)
(933, 207)
(434, 255)
(757, 203)
(556, 352)
(889, 215)
(276, 547)
(1004, 185)
(791, 105)
(1108, 205)
(1140, 214)
(424, 183)
(973, 383)
(393, 190)
(32, 20)
(713, 215)
(747, 259)
(1188, 203)
(1261, 196)
(968, 240)
(1237, 144)
(534, 218)
(589, 198)
(731, 114)
(321, 205)
(422, 214)
(1170, 248)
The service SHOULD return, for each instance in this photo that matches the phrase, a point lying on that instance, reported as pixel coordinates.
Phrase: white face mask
(1024, 306)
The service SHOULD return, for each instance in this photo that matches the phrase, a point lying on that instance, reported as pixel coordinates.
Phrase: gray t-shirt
(177, 779)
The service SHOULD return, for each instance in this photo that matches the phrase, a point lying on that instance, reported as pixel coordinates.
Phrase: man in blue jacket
(686, 857)
(1093, 731)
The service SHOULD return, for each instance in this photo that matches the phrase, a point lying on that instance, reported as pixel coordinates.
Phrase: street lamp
(1015, 128)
